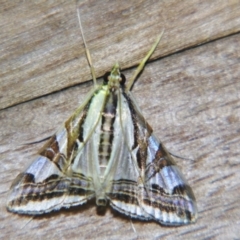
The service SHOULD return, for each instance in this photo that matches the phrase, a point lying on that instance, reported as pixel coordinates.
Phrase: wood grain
(189, 95)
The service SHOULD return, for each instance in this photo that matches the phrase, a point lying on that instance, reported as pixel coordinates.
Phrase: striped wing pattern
(154, 189)
(107, 151)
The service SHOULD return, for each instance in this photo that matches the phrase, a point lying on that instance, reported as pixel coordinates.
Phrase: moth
(106, 150)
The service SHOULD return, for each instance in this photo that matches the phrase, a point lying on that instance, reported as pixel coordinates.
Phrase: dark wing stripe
(134, 120)
(72, 136)
(53, 187)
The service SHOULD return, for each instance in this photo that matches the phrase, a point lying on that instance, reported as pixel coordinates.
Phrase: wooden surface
(190, 95)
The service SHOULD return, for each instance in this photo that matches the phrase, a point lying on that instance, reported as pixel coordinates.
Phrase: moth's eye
(123, 79)
(105, 77)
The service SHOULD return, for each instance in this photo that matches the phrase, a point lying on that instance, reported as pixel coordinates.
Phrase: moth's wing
(147, 184)
(124, 174)
(59, 176)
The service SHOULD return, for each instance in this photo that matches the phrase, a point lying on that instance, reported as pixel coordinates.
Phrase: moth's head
(115, 78)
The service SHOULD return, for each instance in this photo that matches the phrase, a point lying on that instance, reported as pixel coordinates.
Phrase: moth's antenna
(143, 62)
(87, 50)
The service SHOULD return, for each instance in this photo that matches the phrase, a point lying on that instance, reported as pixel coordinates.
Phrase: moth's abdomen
(107, 131)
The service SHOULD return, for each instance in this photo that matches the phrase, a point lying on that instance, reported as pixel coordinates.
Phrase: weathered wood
(191, 99)
(41, 45)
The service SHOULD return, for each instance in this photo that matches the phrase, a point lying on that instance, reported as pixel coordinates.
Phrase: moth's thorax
(115, 79)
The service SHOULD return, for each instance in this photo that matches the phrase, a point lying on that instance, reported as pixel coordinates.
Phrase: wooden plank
(192, 101)
(41, 45)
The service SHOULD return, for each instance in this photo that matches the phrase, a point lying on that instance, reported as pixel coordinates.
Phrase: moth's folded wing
(122, 178)
(146, 183)
(60, 176)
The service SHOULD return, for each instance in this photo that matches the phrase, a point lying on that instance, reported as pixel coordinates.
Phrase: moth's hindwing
(59, 176)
